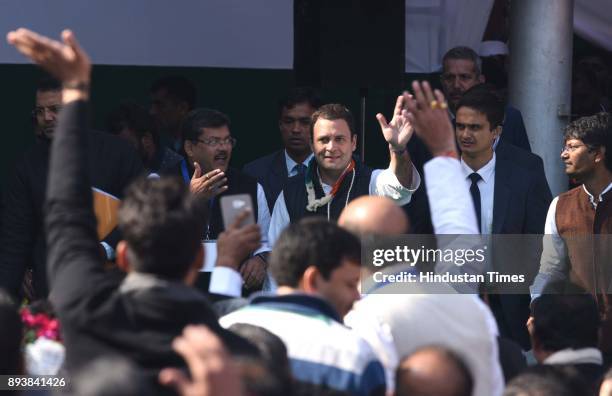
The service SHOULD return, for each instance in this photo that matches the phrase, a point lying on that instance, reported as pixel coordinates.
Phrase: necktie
(300, 169)
(475, 191)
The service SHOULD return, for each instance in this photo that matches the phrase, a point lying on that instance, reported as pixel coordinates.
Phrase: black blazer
(520, 204)
(271, 172)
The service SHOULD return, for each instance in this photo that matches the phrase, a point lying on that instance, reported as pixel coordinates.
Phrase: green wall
(248, 96)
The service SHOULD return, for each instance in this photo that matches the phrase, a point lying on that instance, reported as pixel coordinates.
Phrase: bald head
(433, 371)
(371, 214)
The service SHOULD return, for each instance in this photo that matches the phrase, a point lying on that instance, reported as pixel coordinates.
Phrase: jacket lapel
(501, 194)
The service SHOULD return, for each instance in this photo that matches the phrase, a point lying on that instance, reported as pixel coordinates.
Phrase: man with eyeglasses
(273, 170)
(571, 252)
(208, 146)
(112, 163)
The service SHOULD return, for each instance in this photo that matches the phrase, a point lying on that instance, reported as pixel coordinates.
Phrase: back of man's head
(11, 331)
(562, 321)
(433, 370)
(374, 215)
(179, 88)
(315, 242)
(543, 380)
(276, 378)
(463, 53)
(483, 99)
(594, 131)
(162, 224)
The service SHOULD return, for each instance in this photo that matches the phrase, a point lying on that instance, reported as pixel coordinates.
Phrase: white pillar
(540, 77)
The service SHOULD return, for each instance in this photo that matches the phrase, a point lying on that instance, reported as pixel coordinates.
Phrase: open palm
(399, 131)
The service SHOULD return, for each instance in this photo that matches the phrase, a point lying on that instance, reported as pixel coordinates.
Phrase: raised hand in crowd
(65, 61)
(237, 243)
(212, 371)
(209, 184)
(399, 131)
(427, 111)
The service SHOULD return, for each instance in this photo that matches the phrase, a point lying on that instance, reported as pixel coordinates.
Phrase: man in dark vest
(208, 145)
(574, 251)
(333, 177)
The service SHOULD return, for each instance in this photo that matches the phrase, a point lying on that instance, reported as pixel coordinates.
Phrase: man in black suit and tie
(509, 190)
(273, 170)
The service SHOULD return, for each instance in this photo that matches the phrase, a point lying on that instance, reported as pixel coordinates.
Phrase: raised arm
(398, 133)
(73, 258)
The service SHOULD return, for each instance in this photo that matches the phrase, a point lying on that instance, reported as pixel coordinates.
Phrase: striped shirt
(322, 351)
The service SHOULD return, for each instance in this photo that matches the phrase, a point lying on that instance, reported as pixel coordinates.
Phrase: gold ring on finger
(443, 105)
(434, 104)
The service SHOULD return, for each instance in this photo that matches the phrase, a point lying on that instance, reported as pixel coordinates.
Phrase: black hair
(133, 116)
(563, 321)
(273, 355)
(594, 131)
(463, 53)
(546, 380)
(48, 83)
(178, 88)
(483, 99)
(312, 241)
(333, 111)
(198, 119)
(162, 224)
(299, 96)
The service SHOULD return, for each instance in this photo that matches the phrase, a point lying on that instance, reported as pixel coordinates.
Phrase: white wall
(213, 33)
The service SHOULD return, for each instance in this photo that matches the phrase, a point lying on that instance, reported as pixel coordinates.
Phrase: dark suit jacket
(271, 172)
(111, 165)
(520, 203)
(513, 131)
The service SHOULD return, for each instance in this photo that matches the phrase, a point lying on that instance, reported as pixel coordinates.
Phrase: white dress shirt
(382, 182)
(554, 263)
(397, 324)
(291, 164)
(486, 185)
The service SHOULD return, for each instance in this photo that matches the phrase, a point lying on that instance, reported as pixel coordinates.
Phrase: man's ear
(354, 141)
(122, 259)
(188, 147)
(310, 279)
(497, 131)
(482, 79)
(600, 154)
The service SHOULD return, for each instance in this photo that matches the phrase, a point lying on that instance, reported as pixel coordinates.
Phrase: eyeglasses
(303, 121)
(214, 142)
(570, 148)
(40, 110)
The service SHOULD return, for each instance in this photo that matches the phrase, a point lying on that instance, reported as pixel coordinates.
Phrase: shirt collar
(575, 356)
(290, 163)
(487, 172)
(300, 303)
(600, 198)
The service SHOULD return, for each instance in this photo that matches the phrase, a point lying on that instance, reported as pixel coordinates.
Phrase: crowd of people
(175, 299)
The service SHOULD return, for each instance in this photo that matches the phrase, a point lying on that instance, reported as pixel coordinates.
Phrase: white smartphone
(233, 205)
